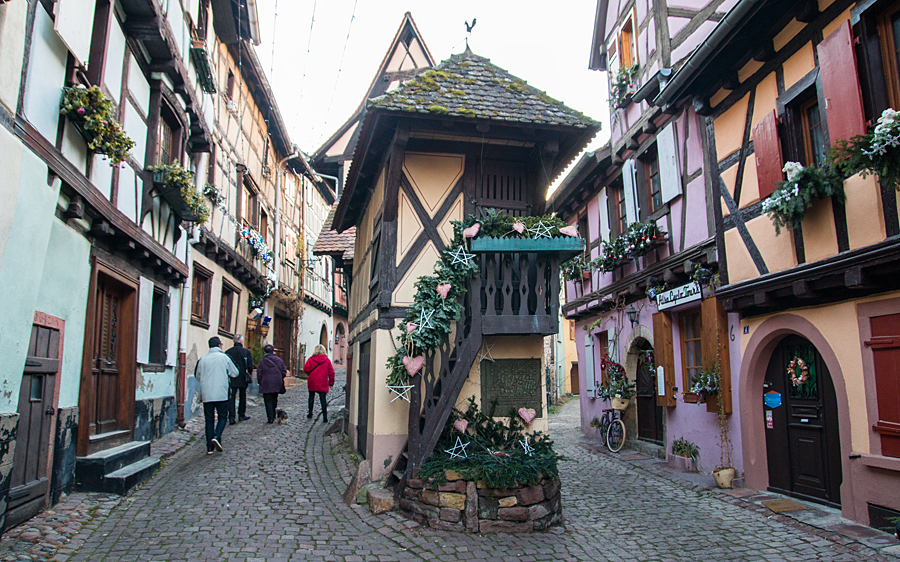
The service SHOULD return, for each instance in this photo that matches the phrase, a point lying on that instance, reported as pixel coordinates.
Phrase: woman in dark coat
(321, 378)
(270, 375)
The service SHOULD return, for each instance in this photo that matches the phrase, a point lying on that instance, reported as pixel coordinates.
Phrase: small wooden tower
(460, 139)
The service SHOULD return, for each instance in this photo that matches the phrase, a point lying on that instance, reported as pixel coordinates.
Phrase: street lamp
(632, 313)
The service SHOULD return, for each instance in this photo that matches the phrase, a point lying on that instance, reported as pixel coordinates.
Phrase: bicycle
(612, 430)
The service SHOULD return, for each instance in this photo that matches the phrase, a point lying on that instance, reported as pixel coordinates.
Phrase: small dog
(281, 416)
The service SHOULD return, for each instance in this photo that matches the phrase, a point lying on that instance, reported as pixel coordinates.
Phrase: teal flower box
(566, 247)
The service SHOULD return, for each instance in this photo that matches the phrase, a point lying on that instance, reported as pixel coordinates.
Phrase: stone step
(124, 479)
(398, 474)
(91, 470)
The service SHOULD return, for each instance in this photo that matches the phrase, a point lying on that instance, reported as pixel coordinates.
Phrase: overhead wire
(338, 77)
(312, 23)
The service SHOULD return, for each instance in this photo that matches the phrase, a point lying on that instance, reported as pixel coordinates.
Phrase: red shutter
(886, 354)
(767, 148)
(840, 85)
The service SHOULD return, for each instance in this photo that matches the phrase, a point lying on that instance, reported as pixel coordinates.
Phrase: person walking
(270, 375)
(213, 371)
(237, 386)
(321, 377)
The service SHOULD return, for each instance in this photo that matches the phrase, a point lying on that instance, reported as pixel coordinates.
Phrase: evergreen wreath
(798, 370)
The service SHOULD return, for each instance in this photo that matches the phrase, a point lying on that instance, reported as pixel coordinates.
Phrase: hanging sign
(677, 296)
(770, 420)
(772, 399)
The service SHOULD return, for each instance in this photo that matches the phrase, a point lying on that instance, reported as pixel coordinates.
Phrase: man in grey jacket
(213, 371)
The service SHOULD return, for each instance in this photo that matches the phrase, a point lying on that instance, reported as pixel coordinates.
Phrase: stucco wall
(12, 45)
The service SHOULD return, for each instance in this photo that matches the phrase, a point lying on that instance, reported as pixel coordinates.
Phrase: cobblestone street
(275, 494)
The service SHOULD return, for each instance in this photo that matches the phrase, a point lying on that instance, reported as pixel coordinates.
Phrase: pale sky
(545, 44)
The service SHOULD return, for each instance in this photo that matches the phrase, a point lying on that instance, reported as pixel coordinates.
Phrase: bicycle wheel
(615, 436)
(604, 427)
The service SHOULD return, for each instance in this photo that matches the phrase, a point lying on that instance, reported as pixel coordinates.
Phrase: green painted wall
(63, 293)
(22, 263)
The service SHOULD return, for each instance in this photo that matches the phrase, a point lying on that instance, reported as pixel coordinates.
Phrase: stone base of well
(472, 507)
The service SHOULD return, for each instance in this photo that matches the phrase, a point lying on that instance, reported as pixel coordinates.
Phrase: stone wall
(64, 453)
(472, 507)
(8, 425)
(154, 417)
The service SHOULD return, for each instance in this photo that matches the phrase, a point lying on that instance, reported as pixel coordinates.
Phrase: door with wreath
(802, 437)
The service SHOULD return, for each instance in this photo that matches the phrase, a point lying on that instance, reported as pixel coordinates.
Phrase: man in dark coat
(243, 360)
(270, 373)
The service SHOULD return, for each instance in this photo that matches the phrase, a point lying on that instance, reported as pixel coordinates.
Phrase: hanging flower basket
(93, 116)
(175, 186)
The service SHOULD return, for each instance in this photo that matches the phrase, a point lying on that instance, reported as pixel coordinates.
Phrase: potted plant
(616, 388)
(575, 269)
(684, 455)
(93, 115)
(788, 204)
(623, 86)
(705, 384)
(877, 152)
(212, 193)
(176, 185)
(724, 473)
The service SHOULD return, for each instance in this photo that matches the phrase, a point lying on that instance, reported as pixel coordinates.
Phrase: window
(159, 323)
(164, 144)
(621, 216)
(691, 347)
(229, 89)
(226, 308)
(264, 225)
(584, 233)
(814, 143)
(627, 56)
(200, 296)
(249, 208)
(202, 18)
(650, 162)
(889, 32)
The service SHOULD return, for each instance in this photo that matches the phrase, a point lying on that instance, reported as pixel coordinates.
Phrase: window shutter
(74, 23)
(840, 85)
(714, 320)
(590, 384)
(173, 320)
(631, 205)
(664, 356)
(604, 214)
(145, 320)
(767, 149)
(669, 174)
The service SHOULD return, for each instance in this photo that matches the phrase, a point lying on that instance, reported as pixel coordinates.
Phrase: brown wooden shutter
(885, 346)
(715, 323)
(767, 148)
(664, 355)
(840, 85)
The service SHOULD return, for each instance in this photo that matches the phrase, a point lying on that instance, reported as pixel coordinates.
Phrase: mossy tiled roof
(467, 85)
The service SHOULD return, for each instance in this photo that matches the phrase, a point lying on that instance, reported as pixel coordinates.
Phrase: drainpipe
(277, 245)
(180, 390)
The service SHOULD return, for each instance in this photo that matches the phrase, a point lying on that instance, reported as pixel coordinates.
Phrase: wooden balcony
(517, 291)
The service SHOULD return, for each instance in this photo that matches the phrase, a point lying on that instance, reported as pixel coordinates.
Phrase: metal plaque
(514, 383)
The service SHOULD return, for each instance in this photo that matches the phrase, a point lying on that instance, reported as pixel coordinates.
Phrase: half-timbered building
(651, 172)
(457, 140)
(818, 302)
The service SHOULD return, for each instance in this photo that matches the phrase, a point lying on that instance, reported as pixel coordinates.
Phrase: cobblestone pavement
(274, 495)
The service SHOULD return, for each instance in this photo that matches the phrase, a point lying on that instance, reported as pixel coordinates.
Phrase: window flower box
(175, 186)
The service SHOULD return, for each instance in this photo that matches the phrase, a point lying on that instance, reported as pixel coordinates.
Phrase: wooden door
(649, 415)
(29, 481)
(802, 438)
(282, 338)
(362, 411)
(573, 377)
(106, 400)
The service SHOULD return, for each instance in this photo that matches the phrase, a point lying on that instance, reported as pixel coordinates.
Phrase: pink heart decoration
(519, 227)
(443, 289)
(411, 327)
(413, 364)
(569, 231)
(472, 231)
(527, 414)
(461, 425)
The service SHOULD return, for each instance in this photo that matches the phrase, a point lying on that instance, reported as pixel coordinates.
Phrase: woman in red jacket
(321, 377)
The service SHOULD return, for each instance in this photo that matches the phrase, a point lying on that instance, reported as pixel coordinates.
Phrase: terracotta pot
(619, 403)
(691, 398)
(724, 477)
(684, 464)
(585, 275)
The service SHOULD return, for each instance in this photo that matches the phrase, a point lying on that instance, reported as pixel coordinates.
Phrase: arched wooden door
(802, 438)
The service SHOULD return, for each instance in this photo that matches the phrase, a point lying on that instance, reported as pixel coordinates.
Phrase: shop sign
(678, 296)
(770, 420)
(772, 399)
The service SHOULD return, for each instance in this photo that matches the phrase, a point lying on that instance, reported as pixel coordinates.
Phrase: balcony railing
(517, 291)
